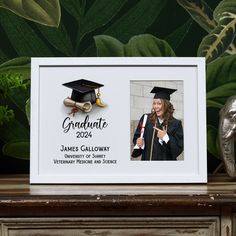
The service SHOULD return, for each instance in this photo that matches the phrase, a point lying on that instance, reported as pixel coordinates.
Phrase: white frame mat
(65, 149)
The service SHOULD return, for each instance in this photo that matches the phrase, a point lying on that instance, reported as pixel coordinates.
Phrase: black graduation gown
(166, 151)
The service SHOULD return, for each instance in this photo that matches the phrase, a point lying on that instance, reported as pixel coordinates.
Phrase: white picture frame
(59, 150)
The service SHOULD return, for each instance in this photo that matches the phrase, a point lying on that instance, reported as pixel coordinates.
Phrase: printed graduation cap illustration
(83, 95)
(163, 93)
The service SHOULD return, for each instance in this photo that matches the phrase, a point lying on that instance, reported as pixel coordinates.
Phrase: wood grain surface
(18, 198)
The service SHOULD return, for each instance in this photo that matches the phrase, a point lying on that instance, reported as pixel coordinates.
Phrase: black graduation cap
(83, 90)
(163, 93)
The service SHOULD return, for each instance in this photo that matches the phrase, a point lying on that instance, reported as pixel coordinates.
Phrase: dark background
(171, 17)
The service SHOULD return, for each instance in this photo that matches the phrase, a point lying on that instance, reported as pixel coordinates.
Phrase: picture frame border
(197, 62)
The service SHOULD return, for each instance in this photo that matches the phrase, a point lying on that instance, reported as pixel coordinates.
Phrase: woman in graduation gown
(163, 134)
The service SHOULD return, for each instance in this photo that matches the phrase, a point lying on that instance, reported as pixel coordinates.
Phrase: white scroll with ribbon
(142, 131)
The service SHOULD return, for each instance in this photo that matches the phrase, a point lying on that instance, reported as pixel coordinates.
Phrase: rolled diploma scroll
(142, 131)
(85, 106)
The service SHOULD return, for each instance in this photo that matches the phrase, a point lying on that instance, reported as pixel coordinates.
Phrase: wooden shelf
(18, 197)
(145, 209)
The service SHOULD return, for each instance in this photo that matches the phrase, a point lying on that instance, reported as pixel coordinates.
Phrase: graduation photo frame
(118, 120)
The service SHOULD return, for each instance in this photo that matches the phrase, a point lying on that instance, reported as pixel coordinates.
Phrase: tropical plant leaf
(215, 104)
(175, 38)
(220, 85)
(19, 97)
(58, 38)
(221, 80)
(19, 65)
(44, 12)
(6, 114)
(142, 45)
(3, 56)
(27, 110)
(225, 90)
(136, 20)
(14, 130)
(200, 12)
(108, 46)
(19, 61)
(18, 68)
(231, 49)
(99, 14)
(140, 17)
(224, 7)
(17, 149)
(212, 141)
(203, 15)
(22, 37)
(74, 8)
(218, 41)
(147, 45)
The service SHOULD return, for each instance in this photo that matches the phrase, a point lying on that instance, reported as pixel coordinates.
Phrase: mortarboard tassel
(98, 100)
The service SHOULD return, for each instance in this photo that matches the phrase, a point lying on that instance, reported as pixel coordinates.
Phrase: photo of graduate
(159, 135)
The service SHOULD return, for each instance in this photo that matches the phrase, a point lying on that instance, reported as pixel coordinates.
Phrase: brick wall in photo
(141, 98)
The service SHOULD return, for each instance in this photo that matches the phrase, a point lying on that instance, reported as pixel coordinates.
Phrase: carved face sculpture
(227, 131)
(228, 118)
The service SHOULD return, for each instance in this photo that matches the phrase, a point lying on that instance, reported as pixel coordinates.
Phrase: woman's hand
(160, 133)
(140, 142)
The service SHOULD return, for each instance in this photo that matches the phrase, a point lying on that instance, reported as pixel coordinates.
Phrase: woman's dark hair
(168, 112)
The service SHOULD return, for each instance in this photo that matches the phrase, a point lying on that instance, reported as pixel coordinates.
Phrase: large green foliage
(111, 28)
(43, 12)
(220, 85)
(14, 83)
(138, 46)
(220, 38)
(220, 23)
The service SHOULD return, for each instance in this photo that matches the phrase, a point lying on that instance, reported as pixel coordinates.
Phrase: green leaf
(175, 38)
(99, 14)
(58, 38)
(231, 49)
(17, 149)
(220, 72)
(44, 11)
(3, 56)
(214, 104)
(6, 115)
(200, 12)
(19, 98)
(136, 20)
(219, 39)
(16, 71)
(225, 90)
(221, 84)
(147, 45)
(12, 131)
(217, 42)
(222, 10)
(108, 46)
(27, 110)
(22, 37)
(133, 22)
(142, 45)
(17, 68)
(221, 79)
(9, 82)
(74, 8)
(18, 61)
(212, 141)
(19, 65)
